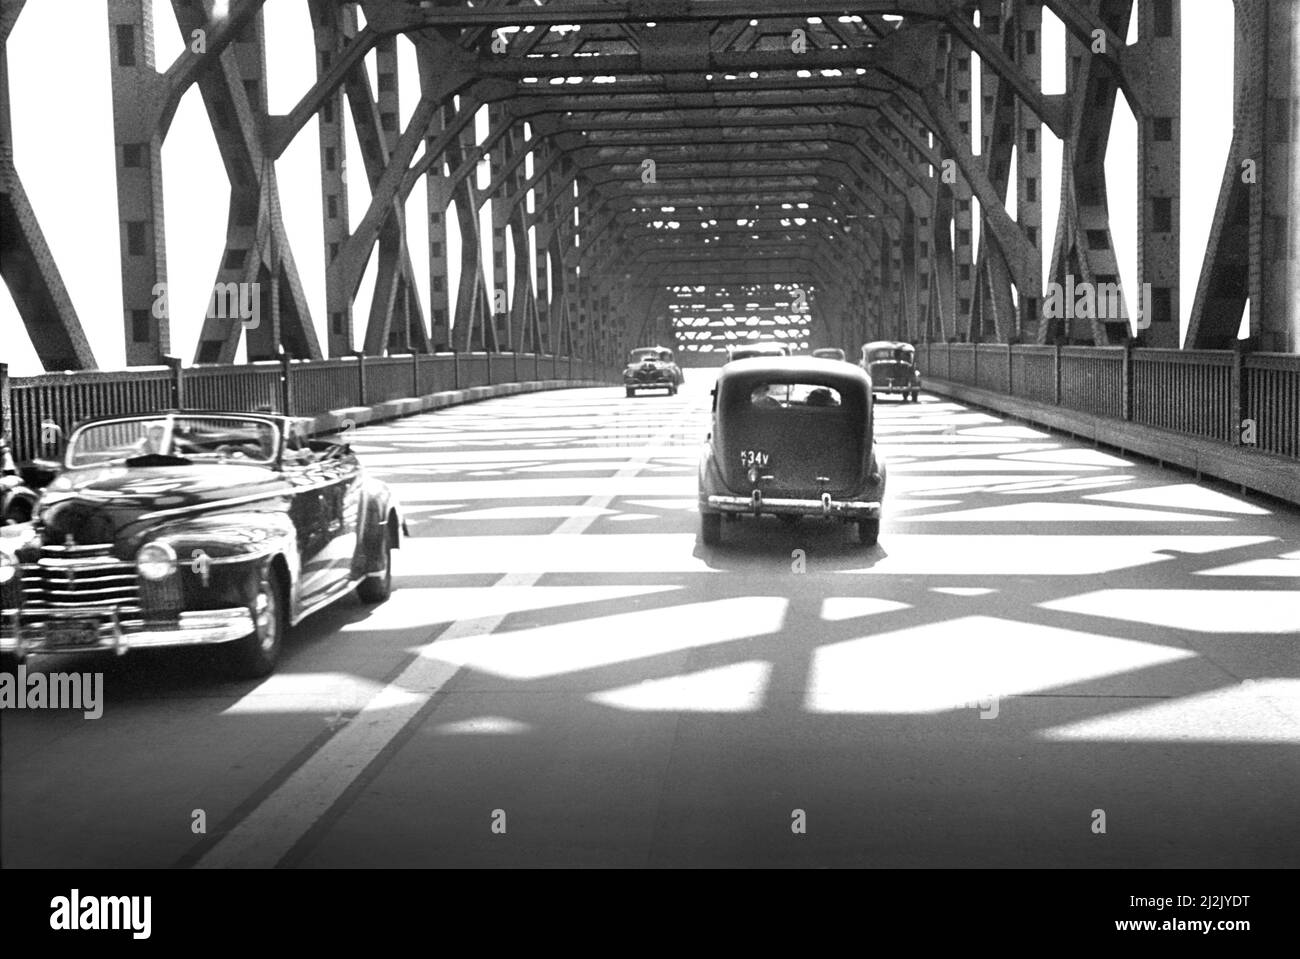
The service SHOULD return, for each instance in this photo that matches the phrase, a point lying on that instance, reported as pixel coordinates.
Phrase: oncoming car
(748, 351)
(194, 528)
(892, 367)
(652, 368)
(829, 353)
(792, 437)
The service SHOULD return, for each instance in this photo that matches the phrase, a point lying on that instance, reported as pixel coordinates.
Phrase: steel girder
(830, 105)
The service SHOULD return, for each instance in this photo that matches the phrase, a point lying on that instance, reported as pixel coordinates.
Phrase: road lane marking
(267, 834)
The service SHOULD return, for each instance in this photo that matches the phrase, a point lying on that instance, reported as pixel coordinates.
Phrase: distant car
(194, 528)
(892, 367)
(829, 353)
(652, 368)
(748, 351)
(792, 437)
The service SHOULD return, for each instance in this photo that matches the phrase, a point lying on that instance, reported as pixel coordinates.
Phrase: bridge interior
(807, 170)
(1049, 628)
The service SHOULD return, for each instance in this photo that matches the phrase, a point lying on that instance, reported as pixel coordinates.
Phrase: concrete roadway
(1048, 639)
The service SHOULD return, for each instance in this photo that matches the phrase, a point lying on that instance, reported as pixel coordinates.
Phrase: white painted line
(265, 836)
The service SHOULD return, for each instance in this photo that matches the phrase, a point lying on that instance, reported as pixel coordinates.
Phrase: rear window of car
(801, 396)
(889, 355)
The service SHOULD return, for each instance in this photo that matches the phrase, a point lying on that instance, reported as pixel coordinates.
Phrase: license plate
(750, 458)
(71, 637)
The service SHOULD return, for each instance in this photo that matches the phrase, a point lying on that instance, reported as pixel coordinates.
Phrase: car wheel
(672, 390)
(868, 531)
(711, 528)
(377, 588)
(916, 396)
(18, 511)
(631, 392)
(256, 654)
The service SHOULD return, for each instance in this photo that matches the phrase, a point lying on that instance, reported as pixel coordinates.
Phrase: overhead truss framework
(636, 147)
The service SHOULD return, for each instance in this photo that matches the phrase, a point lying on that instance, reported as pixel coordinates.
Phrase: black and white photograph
(651, 436)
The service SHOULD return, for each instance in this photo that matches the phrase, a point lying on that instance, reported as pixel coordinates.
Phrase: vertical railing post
(1056, 374)
(1010, 382)
(415, 372)
(286, 387)
(177, 381)
(361, 376)
(975, 364)
(516, 356)
(537, 363)
(1126, 384)
(455, 369)
(1238, 402)
(488, 354)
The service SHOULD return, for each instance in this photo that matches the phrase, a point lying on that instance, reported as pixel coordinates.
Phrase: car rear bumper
(776, 506)
(895, 389)
(102, 631)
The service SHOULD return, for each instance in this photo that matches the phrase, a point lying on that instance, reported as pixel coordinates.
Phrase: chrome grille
(73, 578)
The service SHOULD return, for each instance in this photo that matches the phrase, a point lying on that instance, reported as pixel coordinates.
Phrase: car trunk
(890, 373)
(794, 446)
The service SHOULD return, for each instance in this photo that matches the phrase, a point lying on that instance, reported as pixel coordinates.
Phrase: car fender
(221, 558)
(710, 477)
(14, 492)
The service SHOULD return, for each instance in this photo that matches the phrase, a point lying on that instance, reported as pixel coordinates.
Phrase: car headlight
(8, 568)
(156, 561)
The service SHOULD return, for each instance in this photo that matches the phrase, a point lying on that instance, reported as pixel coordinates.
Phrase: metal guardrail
(1237, 398)
(29, 405)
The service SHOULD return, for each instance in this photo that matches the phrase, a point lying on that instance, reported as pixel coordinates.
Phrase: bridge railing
(1224, 395)
(32, 405)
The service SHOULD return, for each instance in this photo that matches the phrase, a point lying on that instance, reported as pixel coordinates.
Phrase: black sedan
(652, 368)
(792, 437)
(892, 367)
(194, 528)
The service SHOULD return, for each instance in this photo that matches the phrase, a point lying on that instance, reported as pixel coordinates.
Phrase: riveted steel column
(1029, 162)
(1158, 53)
(137, 153)
(334, 25)
(963, 246)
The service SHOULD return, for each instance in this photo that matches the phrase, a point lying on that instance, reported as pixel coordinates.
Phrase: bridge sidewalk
(1275, 476)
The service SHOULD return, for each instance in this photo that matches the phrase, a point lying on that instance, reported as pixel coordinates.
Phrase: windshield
(745, 352)
(208, 439)
(640, 356)
(890, 354)
(790, 395)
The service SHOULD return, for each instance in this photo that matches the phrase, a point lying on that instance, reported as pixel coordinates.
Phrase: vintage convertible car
(892, 367)
(192, 528)
(829, 353)
(791, 437)
(652, 368)
(748, 351)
